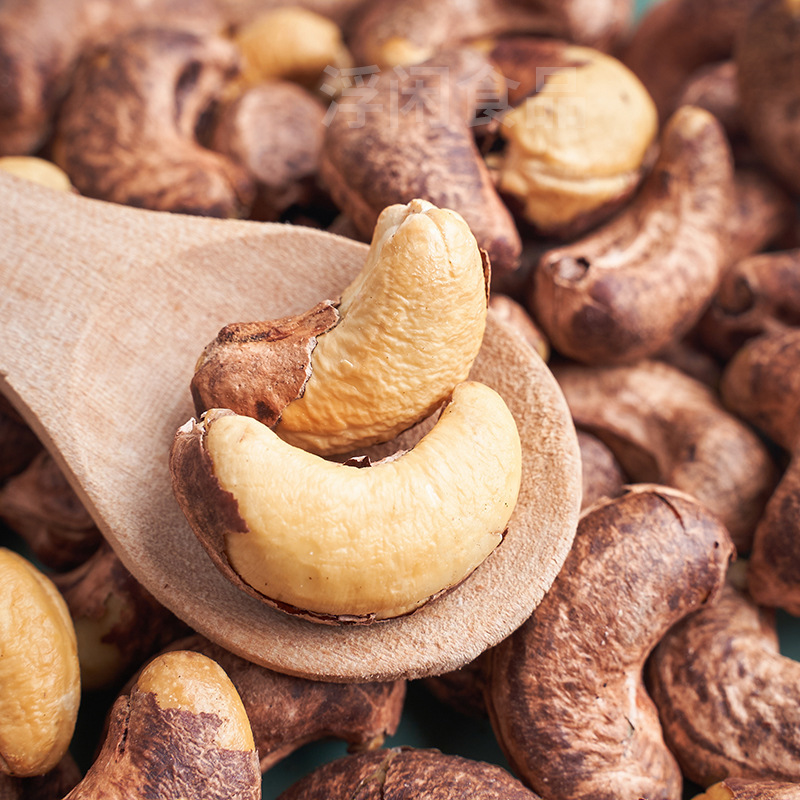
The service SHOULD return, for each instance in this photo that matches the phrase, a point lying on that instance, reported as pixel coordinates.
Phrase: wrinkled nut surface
(275, 131)
(41, 506)
(640, 282)
(391, 33)
(576, 147)
(290, 43)
(565, 693)
(39, 671)
(118, 623)
(372, 364)
(373, 158)
(286, 712)
(126, 131)
(757, 295)
(341, 543)
(408, 774)
(181, 733)
(767, 56)
(666, 427)
(727, 698)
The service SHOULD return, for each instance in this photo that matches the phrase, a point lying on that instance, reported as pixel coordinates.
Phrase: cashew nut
(728, 701)
(275, 131)
(182, 732)
(566, 695)
(666, 427)
(748, 789)
(602, 474)
(405, 773)
(126, 131)
(19, 445)
(362, 370)
(286, 712)
(38, 170)
(767, 56)
(516, 315)
(630, 288)
(41, 506)
(373, 156)
(341, 543)
(39, 673)
(576, 146)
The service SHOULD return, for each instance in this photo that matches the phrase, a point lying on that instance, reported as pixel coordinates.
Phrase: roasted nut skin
(767, 56)
(666, 427)
(18, 443)
(565, 692)
(41, 506)
(727, 698)
(602, 474)
(745, 789)
(181, 734)
(370, 161)
(113, 139)
(640, 282)
(286, 712)
(408, 774)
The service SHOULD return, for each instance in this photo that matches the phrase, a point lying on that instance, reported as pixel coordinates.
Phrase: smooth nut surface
(343, 542)
(39, 671)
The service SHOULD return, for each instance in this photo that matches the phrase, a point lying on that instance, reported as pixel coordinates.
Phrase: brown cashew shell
(286, 712)
(666, 427)
(19, 445)
(126, 129)
(602, 474)
(757, 295)
(675, 38)
(275, 131)
(641, 281)
(761, 384)
(392, 32)
(773, 571)
(767, 56)
(728, 701)
(41, 506)
(566, 695)
(371, 159)
(402, 773)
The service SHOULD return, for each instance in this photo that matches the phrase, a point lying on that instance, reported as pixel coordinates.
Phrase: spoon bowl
(103, 313)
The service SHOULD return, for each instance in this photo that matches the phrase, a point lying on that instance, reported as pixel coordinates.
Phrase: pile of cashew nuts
(620, 190)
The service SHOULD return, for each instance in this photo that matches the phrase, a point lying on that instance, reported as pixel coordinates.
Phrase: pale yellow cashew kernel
(38, 170)
(334, 539)
(579, 142)
(193, 682)
(39, 670)
(411, 325)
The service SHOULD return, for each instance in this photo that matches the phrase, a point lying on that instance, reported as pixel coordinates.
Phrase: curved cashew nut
(371, 158)
(566, 695)
(286, 712)
(39, 672)
(126, 131)
(751, 789)
(182, 732)
(720, 683)
(342, 543)
(641, 281)
(405, 773)
(667, 427)
(360, 371)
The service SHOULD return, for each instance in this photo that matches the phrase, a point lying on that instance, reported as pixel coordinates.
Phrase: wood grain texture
(103, 314)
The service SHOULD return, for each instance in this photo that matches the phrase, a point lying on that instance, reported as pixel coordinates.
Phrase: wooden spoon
(103, 313)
